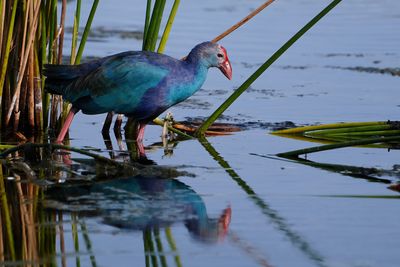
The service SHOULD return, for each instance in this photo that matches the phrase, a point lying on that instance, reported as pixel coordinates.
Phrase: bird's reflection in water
(142, 203)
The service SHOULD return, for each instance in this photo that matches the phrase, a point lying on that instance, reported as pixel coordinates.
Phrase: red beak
(226, 68)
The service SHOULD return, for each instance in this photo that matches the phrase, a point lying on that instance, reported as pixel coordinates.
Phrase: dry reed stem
(23, 236)
(38, 96)
(243, 21)
(23, 214)
(25, 30)
(248, 248)
(62, 27)
(20, 75)
(31, 94)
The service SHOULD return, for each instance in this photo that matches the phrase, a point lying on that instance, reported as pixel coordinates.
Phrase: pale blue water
(282, 213)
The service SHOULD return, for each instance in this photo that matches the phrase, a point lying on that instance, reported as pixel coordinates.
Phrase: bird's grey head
(212, 55)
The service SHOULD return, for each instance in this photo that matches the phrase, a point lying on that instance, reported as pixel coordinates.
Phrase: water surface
(235, 203)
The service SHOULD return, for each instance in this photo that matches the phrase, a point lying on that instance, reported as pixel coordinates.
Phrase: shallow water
(235, 203)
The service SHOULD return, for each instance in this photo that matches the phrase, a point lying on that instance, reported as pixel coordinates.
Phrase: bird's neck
(191, 79)
(199, 69)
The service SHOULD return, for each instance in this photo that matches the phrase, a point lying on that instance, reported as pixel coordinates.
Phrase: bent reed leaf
(214, 116)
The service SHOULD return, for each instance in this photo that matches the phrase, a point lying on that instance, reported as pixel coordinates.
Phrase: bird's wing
(121, 81)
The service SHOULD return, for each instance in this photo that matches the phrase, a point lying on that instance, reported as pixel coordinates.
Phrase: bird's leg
(121, 146)
(135, 130)
(66, 125)
(107, 123)
(139, 139)
(140, 132)
(108, 143)
(223, 222)
(118, 124)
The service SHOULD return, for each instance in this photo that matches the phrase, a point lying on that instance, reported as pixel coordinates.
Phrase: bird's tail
(58, 77)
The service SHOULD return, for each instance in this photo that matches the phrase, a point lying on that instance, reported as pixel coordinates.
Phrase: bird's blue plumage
(139, 84)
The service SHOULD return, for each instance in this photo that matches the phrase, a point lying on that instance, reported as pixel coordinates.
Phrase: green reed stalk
(43, 40)
(85, 234)
(160, 250)
(52, 30)
(366, 141)
(203, 128)
(75, 237)
(4, 147)
(154, 26)
(172, 245)
(263, 206)
(146, 247)
(75, 31)
(6, 54)
(151, 247)
(168, 26)
(86, 32)
(2, 18)
(61, 232)
(146, 23)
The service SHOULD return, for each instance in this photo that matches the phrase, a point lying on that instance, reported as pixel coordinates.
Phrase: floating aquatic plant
(385, 133)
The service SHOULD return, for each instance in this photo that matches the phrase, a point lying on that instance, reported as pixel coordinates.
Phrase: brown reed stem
(38, 96)
(31, 94)
(62, 27)
(25, 29)
(27, 221)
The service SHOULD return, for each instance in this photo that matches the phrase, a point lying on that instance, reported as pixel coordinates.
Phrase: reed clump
(31, 35)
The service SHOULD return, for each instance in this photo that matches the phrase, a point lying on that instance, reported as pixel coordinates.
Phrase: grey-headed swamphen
(139, 84)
